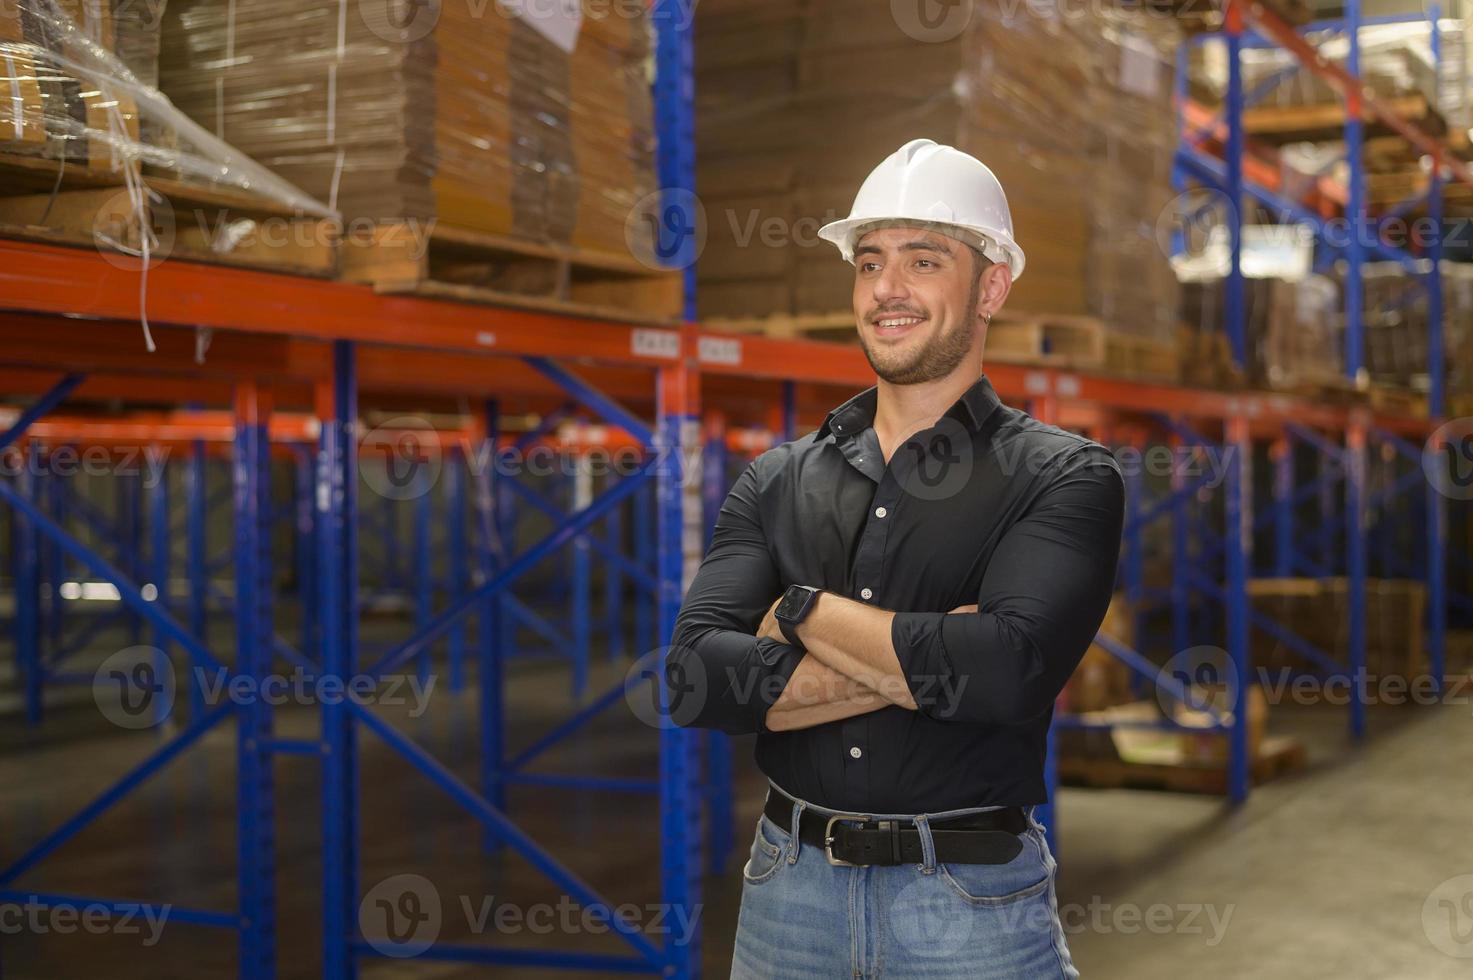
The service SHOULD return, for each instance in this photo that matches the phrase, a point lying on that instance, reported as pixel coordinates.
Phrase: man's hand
(964, 609)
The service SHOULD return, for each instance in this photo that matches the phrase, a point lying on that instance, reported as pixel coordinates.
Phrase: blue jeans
(802, 917)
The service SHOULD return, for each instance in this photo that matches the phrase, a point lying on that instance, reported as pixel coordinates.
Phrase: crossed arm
(851, 667)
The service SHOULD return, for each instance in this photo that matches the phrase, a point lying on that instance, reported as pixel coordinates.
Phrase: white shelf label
(720, 350)
(646, 342)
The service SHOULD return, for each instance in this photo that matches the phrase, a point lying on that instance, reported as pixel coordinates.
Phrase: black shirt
(988, 506)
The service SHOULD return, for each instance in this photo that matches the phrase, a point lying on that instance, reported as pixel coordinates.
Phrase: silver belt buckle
(828, 837)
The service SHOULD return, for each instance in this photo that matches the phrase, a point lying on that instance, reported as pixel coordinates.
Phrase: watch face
(794, 601)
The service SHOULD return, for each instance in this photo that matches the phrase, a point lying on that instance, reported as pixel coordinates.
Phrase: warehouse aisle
(1326, 875)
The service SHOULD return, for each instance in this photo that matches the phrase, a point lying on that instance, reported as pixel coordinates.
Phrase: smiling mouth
(895, 324)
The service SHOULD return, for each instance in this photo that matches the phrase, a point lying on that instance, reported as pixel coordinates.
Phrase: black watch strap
(790, 633)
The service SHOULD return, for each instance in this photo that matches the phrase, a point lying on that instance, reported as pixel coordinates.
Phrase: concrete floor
(1328, 874)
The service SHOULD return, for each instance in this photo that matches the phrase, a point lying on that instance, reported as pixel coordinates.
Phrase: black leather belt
(854, 839)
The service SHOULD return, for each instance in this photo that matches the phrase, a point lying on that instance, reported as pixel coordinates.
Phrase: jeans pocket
(1023, 877)
(768, 847)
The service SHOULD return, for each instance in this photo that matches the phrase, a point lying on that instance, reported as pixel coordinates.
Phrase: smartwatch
(796, 604)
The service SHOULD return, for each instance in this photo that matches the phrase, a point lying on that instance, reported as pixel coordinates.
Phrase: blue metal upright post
(582, 569)
(678, 401)
(306, 548)
(1355, 566)
(337, 542)
(1180, 542)
(489, 661)
(158, 572)
(1436, 503)
(1238, 545)
(680, 767)
(1234, 317)
(614, 579)
(644, 554)
(28, 587)
(1355, 208)
(455, 561)
(424, 595)
(255, 810)
(128, 500)
(1282, 454)
(720, 800)
(196, 560)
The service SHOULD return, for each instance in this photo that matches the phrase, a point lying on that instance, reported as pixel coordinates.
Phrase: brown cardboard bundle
(475, 118)
(50, 107)
(77, 100)
(798, 99)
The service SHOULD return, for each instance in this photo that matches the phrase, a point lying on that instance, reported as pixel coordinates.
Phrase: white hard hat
(926, 182)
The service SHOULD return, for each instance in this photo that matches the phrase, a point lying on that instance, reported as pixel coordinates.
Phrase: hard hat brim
(846, 232)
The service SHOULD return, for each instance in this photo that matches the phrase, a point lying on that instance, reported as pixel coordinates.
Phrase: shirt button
(866, 594)
(880, 512)
(854, 752)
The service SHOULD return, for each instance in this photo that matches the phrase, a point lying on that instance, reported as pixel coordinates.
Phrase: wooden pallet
(1142, 358)
(839, 325)
(1391, 400)
(1326, 121)
(436, 260)
(1279, 755)
(21, 174)
(1051, 340)
(221, 226)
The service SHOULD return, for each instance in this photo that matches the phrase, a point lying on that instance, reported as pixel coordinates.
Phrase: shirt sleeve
(1044, 594)
(734, 676)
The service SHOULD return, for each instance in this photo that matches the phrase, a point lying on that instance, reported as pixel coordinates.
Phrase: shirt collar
(973, 408)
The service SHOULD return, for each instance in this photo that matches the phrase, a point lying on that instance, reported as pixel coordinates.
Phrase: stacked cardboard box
(1395, 324)
(54, 107)
(1293, 328)
(1318, 610)
(475, 117)
(799, 99)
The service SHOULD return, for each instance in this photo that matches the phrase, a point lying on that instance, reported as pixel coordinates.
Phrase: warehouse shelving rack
(1341, 449)
(258, 343)
(321, 344)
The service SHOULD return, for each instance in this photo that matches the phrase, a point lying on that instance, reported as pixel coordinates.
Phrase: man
(892, 603)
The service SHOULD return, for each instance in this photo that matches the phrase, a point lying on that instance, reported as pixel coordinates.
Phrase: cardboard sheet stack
(78, 80)
(799, 99)
(1396, 325)
(476, 119)
(51, 109)
(1296, 328)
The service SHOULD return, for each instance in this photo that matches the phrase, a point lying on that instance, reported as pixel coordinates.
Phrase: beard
(936, 358)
